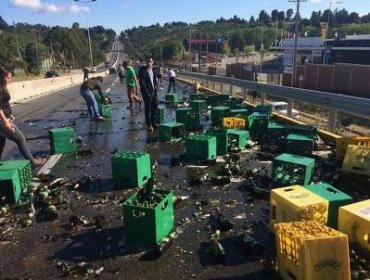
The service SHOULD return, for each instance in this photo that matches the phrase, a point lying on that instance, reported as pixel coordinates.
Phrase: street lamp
(332, 3)
(88, 29)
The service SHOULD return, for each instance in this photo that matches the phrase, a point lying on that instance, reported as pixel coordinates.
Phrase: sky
(122, 14)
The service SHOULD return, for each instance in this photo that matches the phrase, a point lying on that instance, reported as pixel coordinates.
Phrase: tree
(289, 14)
(264, 17)
(252, 20)
(274, 15)
(281, 15)
(341, 16)
(173, 50)
(315, 18)
(3, 24)
(237, 41)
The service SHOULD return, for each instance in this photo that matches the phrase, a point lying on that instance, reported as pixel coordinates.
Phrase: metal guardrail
(334, 102)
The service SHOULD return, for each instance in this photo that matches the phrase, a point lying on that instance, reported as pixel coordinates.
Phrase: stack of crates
(105, 110)
(62, 140)
(216, 100)
(234, 102)
(238, 138)
(171, 131)
(354, 220)
(222, 136)
(198, 105)
(295, 203)
(10, 185)
(342, 143)
(160, 114)
(308, 130)
(24, 170)
(233, 122)
(290, 169)
(201, 147)
(258, 123)
(276, 132)
(218, 113)
(311, 251)
(172, 97)
(145, 226)
(335, 197)
(187, 116)
(299, 144)
(131, 169)
(357, 160)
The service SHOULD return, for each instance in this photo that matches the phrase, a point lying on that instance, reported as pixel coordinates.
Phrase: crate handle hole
(289, 190)
(164, 206)
(139, 214)
(145, 178)
(332, 190)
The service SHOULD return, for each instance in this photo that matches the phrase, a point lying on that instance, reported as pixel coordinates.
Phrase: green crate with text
(24, 169)
(198, 105)
(222, 136)
(290, 170)
(335, 197)
(105, 111)
(10, 185)
(215, 100)
(218, 113)
(147, 226)
(299, 144)
(62, 140)
(172, 97)
(171, 131)
(238, 138)
(201, 147)
(131, 169)
(160, 114)
(190, 118)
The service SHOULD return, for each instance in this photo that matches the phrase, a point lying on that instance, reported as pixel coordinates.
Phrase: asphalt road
(46, 248)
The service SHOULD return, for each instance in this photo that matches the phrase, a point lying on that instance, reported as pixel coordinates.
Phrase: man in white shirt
(171, 80)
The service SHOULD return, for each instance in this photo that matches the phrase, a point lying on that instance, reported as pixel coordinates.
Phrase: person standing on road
(148, 87)
(132, 87)
(171, 80)
(255, 78)
(86, 92)
(121, 74)
(86, 73)
(8, 129)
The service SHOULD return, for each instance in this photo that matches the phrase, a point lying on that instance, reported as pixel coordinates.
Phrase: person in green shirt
(132, 88)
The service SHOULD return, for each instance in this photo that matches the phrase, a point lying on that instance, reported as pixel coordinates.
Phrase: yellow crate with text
(354, 220)
(357, 160)
(309, 250)
(342, 144)
(295, 203)
(233, 122)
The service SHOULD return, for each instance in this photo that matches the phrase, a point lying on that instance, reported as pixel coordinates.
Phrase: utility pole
(190, 55)
(37, 55)
(294, 74)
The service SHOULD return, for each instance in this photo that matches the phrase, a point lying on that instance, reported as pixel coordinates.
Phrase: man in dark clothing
(86, 92)
(148, 87)
(86, 73)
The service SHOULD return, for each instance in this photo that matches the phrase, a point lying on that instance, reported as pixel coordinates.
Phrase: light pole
(88, 29)
(332, 3)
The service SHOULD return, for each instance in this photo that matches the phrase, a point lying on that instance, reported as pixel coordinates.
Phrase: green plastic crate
(160, 114)
(290, 170)
(24, 170)
(265, 109)
(190, 118)
(170, 131)
(62, 140)
(215, 100)
(196, 96)
(105, 110)
(201, 147)
(182, 115)
(308, 130)
(299, 144)
(131, 169)
(198, 105)
(98, 98)
(218, 113)
(258, 123)
(10, 185)
(222, 136)
(172, 97)
(238, 138)
(234, 103)
(239, 113)
(144, 226)
(335, 197)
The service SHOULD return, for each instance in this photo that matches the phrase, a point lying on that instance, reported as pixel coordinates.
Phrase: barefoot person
(132, 88)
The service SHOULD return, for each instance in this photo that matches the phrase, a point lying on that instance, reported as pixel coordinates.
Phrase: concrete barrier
(24, 90)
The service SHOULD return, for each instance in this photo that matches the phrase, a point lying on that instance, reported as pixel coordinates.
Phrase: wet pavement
(83, 236)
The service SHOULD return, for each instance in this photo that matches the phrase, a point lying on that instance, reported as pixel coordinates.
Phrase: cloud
(315, 1)
(38, 6)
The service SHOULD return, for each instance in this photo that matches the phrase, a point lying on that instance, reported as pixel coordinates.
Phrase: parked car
(282, 107)
(93, 70)
(51, 74)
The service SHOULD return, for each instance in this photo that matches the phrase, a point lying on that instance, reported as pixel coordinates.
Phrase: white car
(93, 70)
(282, 107)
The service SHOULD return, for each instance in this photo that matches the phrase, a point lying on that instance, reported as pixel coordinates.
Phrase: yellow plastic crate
(295, 203)
(342, 144)
(357, 160)
(233, 122)
(354, 220)
(311, 251)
